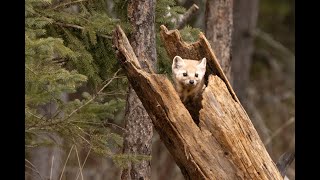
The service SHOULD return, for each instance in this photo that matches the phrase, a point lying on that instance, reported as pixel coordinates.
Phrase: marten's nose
(191, 81)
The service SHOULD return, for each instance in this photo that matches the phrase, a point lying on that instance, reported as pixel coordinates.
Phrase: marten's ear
(202, 64)
(177, 63)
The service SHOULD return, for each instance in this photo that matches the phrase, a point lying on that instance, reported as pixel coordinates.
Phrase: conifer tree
(64, 51)
(68, 50)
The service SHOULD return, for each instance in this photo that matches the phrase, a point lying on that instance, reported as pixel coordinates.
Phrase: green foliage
(68, 51)
(167, 13)
(190, 34)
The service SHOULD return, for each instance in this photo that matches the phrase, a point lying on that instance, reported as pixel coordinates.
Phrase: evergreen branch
(82, 136)
(94, 97)
(31, 70)
(79, 27)
(187, 16)
(89, 101)
(33, 115)
(62, 127)
(66, 4)
(69, 25)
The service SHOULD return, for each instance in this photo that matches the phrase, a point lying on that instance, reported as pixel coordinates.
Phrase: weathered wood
(225, 145)
(176, 46)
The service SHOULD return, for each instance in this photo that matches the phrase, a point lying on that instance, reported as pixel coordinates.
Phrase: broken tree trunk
(225, 144)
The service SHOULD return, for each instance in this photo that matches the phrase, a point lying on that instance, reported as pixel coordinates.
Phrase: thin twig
(85, 160)
(33, 114)
(187, 16)
(34, 168)
(123, 129)
(79, 162)
(66, 162)
(68, 25)
(284, 162)
(103, 124)
(279, 130)
(118, 77)
(79, 27)
(31, 70)
(51, 167)
(66, 4)
(84, 138)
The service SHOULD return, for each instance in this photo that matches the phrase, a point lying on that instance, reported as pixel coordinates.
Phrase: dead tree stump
(224, 145)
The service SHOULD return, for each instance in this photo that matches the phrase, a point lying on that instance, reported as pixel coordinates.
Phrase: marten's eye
(185, 74)
(196, 75)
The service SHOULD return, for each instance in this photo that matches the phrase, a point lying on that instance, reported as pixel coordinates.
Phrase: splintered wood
(224, 145)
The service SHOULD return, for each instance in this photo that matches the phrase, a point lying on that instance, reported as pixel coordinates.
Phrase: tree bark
(245, 20)
(218, 30)
(225, 144)
(138, 138)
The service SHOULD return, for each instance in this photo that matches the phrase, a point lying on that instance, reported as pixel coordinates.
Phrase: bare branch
(34, 169)
(66, 162)
(79, 27)
(187, 16)
(80, 167)
(51, 167)
(284, 162)
(279, 130)
(33, 114)
(271, 41)
(85, 160)
(68, 25)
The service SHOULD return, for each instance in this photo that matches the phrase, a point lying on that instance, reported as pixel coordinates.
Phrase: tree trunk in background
(138, 138)
(245, 14)
(218, 30)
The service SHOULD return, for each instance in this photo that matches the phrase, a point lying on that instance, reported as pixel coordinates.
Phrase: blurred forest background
(76, 91)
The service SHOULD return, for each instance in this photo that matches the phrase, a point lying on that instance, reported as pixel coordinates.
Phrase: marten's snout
(191, 81)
